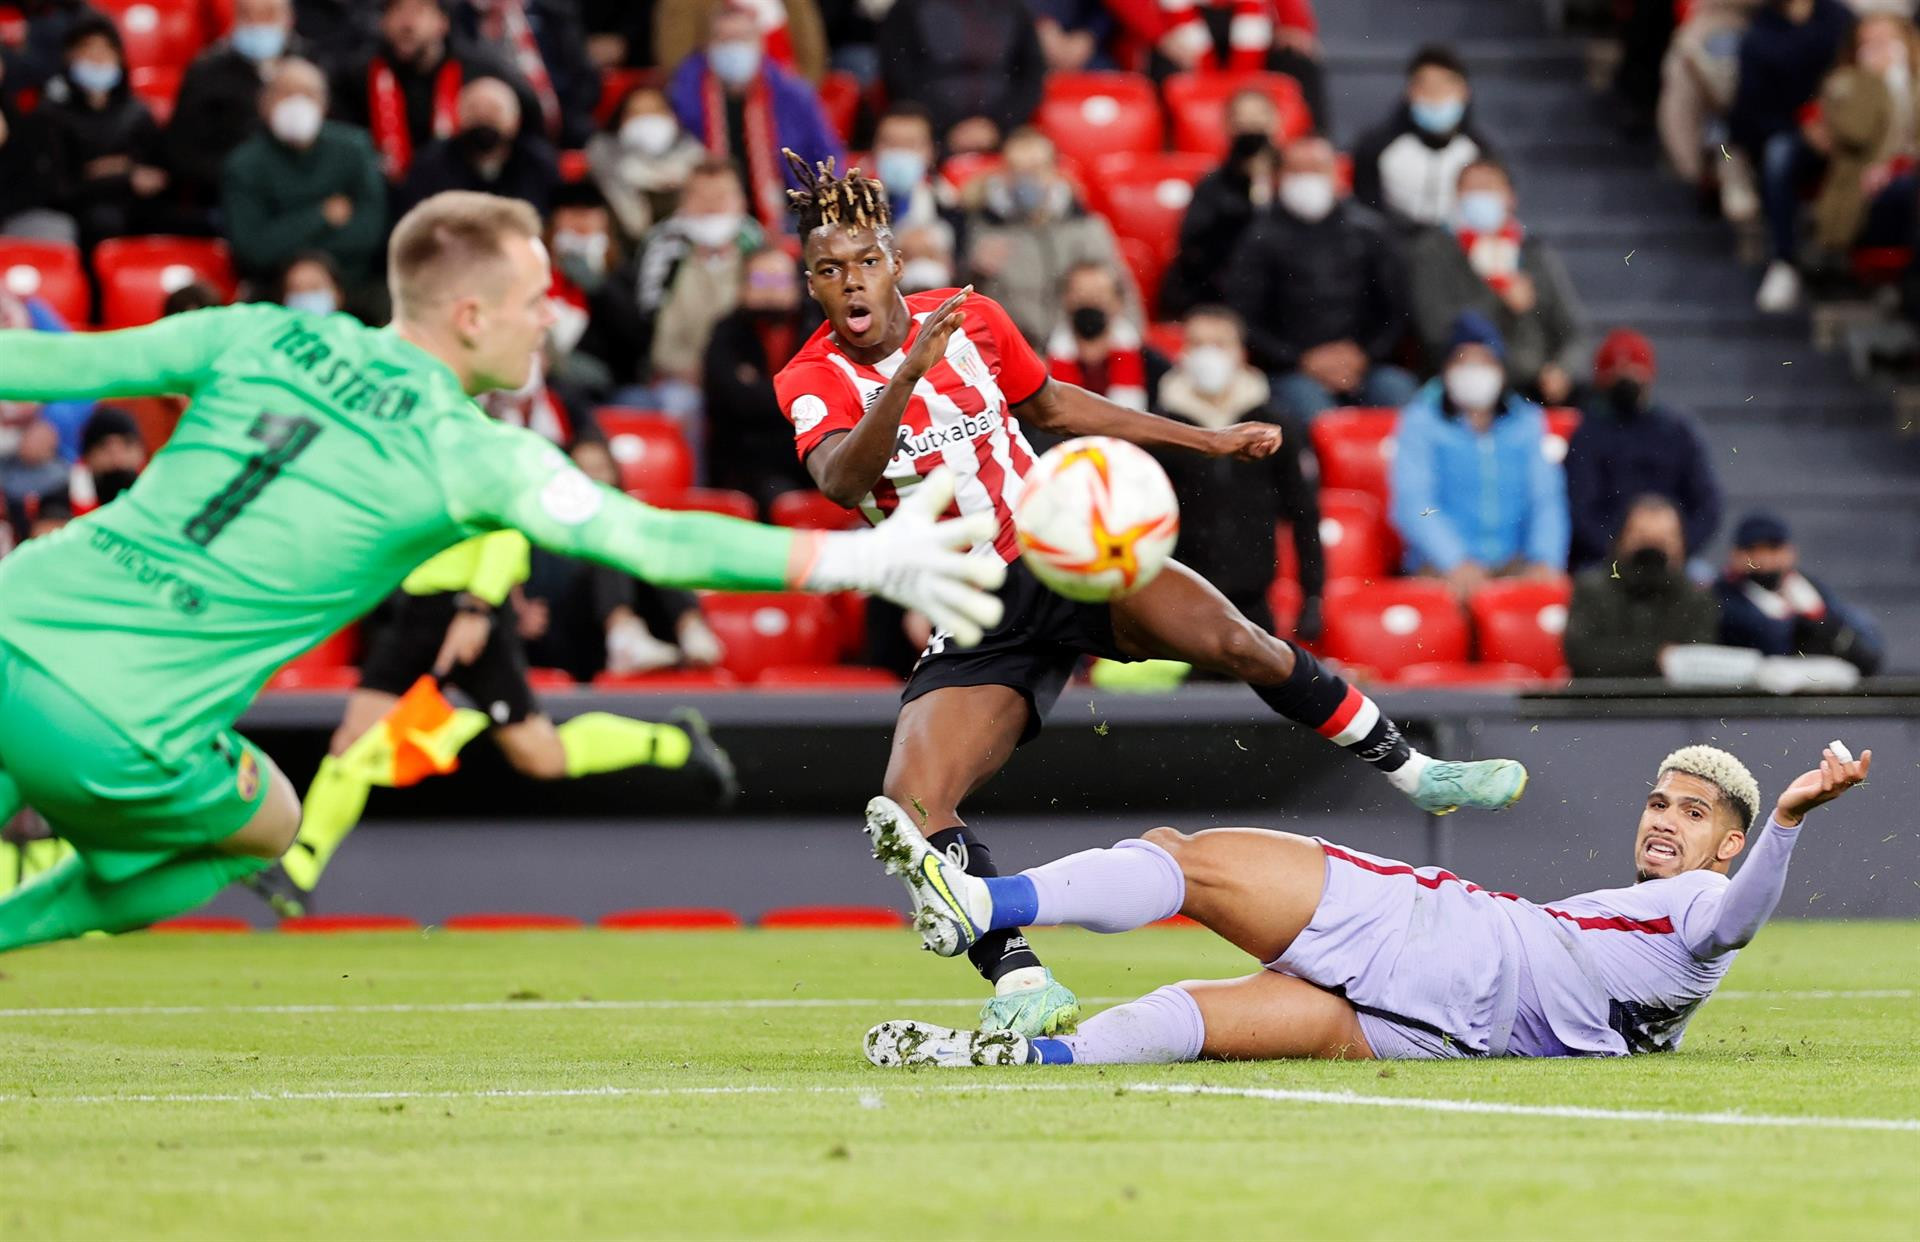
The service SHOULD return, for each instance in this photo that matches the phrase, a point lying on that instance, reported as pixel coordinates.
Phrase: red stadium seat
(1169, 338)
(1355, 447)
(158, 86)
(1148, 265)
(1283, 597)
(668, 681)
(1354, 535)
(1093, 114)
(1198, 104)
(551, 679)
(49, 270)
(1562, 422)
(1523, 622)
(840, 101)
(710, 500)
(1446, 673)
(157, 32)
(650, 450)
(805, 510)
(1146, 196)
(615, 84)
(137, 273)
(763, 629)
(672, 918)
(964, 169)
(1389, 625)
(329, 666)
(817, 678)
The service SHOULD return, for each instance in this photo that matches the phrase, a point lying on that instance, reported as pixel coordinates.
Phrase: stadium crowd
(1143, 184)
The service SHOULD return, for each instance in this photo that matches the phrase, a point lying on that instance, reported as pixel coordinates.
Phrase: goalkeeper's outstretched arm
(173, 355)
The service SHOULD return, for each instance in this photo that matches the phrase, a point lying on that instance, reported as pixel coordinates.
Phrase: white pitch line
(1337, 1099)
(763, 1002)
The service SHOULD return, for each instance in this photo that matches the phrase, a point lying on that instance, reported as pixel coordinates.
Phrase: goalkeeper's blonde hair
(1723, 772)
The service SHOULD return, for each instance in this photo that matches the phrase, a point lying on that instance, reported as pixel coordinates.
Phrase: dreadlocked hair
(852, 201)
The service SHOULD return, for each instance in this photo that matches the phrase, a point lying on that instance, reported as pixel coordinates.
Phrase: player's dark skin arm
(1068, 409)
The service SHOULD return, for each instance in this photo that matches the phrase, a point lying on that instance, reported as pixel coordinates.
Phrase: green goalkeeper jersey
(318, 462)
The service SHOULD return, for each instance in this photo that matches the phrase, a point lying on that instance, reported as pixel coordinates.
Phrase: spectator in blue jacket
(745, 108)
(1627, 446)
(1767, 604)
(66, 417)
(1474, 494)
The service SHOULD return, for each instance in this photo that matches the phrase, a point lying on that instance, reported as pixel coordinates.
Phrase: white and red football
(1097, 519)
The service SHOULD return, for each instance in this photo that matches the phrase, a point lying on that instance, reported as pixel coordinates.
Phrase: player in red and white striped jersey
(892, 387)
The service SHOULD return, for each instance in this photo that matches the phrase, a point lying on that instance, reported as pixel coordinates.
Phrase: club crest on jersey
(964, 358)
(247, 780)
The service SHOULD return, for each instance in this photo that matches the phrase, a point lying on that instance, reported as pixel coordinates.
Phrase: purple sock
(1116, 890)
(1160, 1027)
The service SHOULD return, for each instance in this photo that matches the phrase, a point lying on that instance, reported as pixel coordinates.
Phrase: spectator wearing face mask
(1231, 36)
(1486, 261)
(1629, 445)
(640, 161)
(104, 154)
(1074, 34)
(1767, 604)
(976, 65)
(744, 109)
(1096, 346)
(750, 452)
(1409, 166)
(546, 45)
(1228, 507)
(903, 160)
(1225, 203)
(1027, 229)
(112, 455)
(303, 183)
(598, 338)
(1322, 290)
(311, 284)
(491, 152)
(218, 105)
(1629, 609)
(791, 31)
(31, 471)
(1473, 494)
(926, 257)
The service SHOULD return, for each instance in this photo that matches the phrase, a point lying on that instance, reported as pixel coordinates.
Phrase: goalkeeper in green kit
(318, 463)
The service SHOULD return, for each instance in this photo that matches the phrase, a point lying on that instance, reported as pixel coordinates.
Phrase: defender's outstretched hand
(920, 562)
(1834, 777)
(1246, 441)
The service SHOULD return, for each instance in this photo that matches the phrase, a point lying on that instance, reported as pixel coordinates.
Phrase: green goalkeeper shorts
(116, 802)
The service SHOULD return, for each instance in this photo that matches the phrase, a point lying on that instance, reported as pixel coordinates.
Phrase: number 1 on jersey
(285, 436)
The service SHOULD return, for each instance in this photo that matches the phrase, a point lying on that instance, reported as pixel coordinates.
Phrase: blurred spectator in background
(585, 618)
(926, 257)
(1697, 81)
(1028, 229)
(1633, 606)
(1409, 165)
(40, 57)
(336, 34)
(1767, 604)
(853, 36)
(1096, 343)
(1870, 112)
(26, 189)
(1628, 446)
(406, 91)
(599, 335)
(304, 183)
(791, 31)
(104, 152)
(750, 452)
(1485, 261)
(1224, 204)
(219, 102)
(1321, 287)
(619, 32)
(1473, 494)
(976, 65)
(311, 283)
(1229, 507)
(112, 455)
(192, 296)
(546, 46)
(492, 151)
(1231, 36)
(67, 417)
(1784, 56)
(689, 281)
(904, 154)
(745, 109)
(641, 160)
(32, 471)
(1074, 34)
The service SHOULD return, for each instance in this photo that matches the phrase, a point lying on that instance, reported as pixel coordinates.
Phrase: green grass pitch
(696, 1085)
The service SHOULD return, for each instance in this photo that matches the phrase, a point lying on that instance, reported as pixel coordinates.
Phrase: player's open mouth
(1659, 849)
(859, 319)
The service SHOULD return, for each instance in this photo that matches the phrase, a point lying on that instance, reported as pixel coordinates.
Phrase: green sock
(603, 742)
(71, 900)
(334, 803)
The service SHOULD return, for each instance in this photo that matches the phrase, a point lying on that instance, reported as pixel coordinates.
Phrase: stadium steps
(1806, 439)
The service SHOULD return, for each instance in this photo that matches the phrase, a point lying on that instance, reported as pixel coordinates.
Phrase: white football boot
(951, 909)
(907, 1044)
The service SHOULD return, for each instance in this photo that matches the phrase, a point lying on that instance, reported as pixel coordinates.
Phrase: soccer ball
(1097, 519)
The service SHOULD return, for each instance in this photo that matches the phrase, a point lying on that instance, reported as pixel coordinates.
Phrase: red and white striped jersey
(960, 415)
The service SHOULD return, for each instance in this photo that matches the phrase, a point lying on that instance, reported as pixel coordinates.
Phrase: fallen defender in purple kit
(1368, 957)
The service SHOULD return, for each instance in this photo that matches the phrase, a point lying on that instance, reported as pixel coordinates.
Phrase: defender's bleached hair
(852, 201)
(1723, 772)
